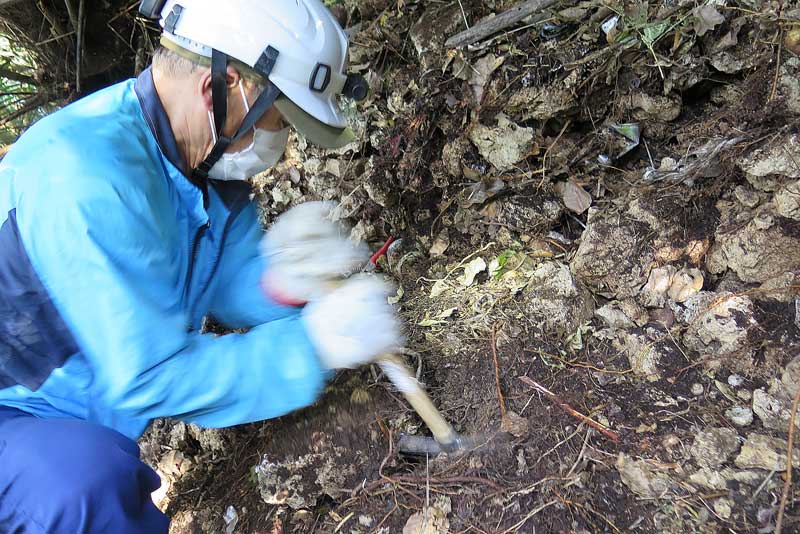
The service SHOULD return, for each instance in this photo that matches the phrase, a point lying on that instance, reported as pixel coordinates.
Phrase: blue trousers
(66, 476)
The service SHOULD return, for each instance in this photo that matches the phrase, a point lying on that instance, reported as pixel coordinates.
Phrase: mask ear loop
(213, 126)
(244, 97)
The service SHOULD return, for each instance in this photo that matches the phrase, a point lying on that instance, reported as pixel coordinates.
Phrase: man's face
(272, 120)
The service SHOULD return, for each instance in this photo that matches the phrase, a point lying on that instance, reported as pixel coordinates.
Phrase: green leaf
(653, 32)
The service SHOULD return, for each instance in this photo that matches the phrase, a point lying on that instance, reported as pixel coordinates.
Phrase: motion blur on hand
(308, 254)
(353, 324)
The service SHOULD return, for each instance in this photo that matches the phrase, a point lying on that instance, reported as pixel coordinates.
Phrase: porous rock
(641, 477)
(769, 166)
(773, 408)
(739, 415)
(556, 300)
(756, 246)
(299, 482)
(712, 447)
(645, 349)
(760, 451)
(429, 33)
(718, 324)
(611, 258)
(502, 145)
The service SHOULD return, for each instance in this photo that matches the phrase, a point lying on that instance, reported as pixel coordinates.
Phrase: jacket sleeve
(239, 300)
(99, 249)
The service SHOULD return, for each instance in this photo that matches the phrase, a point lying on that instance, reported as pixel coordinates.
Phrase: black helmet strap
(219, 103)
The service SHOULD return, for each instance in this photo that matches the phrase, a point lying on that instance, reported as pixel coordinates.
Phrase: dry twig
(490, 26)
(787, 484)
(610, 434)
(497, 375)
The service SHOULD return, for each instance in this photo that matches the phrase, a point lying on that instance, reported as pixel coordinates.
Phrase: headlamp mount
(355, 88)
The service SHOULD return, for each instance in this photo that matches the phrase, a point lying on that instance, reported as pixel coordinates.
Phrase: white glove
(353, 324)
(307, 253)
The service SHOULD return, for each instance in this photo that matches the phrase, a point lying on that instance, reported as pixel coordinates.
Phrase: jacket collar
(158, 122)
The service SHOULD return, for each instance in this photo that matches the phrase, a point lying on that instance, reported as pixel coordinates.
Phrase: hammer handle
(403, 379)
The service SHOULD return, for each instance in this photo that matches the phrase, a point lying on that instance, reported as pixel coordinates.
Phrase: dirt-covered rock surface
(601, 198)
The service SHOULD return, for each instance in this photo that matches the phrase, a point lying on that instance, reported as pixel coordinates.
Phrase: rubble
(581, 202)
(555, 300)
(712, 447)
(718, 325)
(502, 145)
(299, 482)
(641, 477)
(760, 451)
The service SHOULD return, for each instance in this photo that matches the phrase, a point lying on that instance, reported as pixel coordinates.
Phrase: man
(124, 221)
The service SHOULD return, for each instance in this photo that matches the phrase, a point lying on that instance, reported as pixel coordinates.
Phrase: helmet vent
(172, 18)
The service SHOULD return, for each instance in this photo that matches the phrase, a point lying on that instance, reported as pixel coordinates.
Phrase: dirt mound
(603, 197)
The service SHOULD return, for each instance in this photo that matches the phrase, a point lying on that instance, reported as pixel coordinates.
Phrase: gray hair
(172, 64)
(178, 66)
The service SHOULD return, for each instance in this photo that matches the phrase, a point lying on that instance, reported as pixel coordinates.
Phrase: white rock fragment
(764, 452)
(773, 410)
(502, 145)
(735, 380)
(641, 477)
(779, 158)
(739, 415)
(723, 508)
(718, 324)
(713, 447)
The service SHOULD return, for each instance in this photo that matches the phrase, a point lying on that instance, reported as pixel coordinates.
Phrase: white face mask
(264, 152)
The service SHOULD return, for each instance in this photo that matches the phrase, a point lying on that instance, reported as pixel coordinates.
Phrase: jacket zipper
(231, 217)
(193, 257)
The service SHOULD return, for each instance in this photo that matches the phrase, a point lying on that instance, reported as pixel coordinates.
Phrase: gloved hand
(308, 252)
(353, 324)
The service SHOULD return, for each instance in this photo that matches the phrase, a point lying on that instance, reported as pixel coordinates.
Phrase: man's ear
(205, 85)
(233, 78)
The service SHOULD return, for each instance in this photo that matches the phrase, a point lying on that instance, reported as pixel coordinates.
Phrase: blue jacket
(109, 260)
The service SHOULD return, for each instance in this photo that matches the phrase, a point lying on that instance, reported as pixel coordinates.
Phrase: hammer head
(427, 446)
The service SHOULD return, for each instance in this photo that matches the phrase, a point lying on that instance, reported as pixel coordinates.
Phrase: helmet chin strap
(219, 99)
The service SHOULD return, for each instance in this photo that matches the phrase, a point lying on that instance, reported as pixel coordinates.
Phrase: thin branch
(79, 47)
(788, 483)
(32, 104)
(497, 374)
(610, 434)
(71, 12)
(16, 76)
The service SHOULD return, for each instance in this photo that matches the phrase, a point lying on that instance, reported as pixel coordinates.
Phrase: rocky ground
(603, 198)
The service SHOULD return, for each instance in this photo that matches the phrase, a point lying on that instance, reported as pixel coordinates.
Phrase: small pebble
(735, 381)
(740, 415)
(723, 508)
(697, 389)
(745, 394)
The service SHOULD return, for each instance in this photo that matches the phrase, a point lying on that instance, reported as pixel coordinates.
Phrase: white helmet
(297, 44)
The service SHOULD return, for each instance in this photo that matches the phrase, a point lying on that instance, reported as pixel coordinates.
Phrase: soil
(551, 473)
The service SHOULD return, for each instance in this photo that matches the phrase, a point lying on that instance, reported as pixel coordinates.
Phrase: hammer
(446, 439)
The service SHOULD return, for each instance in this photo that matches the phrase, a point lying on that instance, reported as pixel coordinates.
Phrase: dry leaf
(575, 197)
(706, 19)
(515, 425)
(482, 72)
(473, 268)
